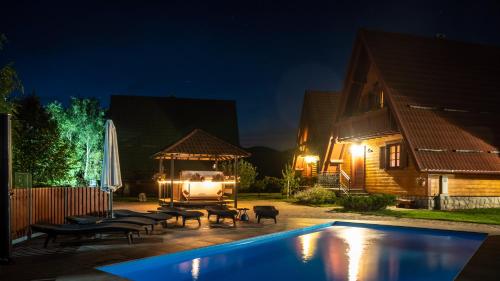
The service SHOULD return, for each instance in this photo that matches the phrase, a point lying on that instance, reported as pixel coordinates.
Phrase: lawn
(486, 216)
(261, 196)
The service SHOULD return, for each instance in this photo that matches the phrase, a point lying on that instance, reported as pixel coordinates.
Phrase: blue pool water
(338, 251)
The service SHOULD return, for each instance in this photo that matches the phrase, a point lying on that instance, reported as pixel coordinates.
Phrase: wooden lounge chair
(222, 212)
(53, 230)
(144, 222)
(184, 214)
(265, 212)
(158, 217)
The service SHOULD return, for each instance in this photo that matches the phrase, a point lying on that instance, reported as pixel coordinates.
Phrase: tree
(82, 125)
(37, 146)
(290, 180)
(9, 83)
(246, 171)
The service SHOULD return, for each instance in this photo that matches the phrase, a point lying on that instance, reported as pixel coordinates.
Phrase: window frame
(397, 156)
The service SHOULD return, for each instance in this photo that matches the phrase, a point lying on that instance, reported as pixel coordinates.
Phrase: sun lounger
(53, 230)
(265, 212)
(222, 212)
(158, 217)
(184, 214)
(144, 222)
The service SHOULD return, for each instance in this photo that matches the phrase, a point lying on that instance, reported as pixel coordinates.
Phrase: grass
(261, 196)
(484, 216)
(241, 196)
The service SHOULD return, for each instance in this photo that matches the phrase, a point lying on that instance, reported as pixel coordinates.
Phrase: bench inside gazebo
(198, 188)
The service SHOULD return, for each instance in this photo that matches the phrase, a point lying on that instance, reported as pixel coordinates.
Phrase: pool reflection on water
(340, 252)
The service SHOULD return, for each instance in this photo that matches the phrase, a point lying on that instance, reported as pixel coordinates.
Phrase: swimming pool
(338, 251)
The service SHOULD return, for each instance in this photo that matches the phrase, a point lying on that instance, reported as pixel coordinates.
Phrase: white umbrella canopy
(111, 178)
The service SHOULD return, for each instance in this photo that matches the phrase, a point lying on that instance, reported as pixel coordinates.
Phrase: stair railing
(344, 175)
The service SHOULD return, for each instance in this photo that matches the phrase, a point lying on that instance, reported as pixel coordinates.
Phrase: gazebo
(199, 145)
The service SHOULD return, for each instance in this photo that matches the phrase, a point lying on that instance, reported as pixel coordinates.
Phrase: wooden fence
(53, 205)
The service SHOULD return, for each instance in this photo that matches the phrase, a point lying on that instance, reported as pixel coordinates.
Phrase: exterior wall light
(357, 150)
(311, 159)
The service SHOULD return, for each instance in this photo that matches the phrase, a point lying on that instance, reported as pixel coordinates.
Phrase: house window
(394, 156)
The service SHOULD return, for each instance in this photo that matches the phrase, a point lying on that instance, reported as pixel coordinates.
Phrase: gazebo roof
(200, 145)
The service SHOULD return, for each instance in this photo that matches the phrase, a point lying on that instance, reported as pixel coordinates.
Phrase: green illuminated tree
(246, 171)
(82, 125)
(290, 180)
(37, 146)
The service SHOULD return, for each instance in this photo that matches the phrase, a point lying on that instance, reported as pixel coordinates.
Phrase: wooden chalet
(418, 117)
(315, 127)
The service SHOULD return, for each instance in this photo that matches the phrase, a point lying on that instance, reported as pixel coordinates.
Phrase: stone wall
(444, 202)
(467, 202)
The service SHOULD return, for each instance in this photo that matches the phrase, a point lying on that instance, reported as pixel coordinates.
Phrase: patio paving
(76, 260)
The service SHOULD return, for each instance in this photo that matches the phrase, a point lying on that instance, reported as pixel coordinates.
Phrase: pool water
(338, 251)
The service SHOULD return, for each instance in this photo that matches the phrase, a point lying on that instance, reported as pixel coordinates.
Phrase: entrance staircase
(340, 182)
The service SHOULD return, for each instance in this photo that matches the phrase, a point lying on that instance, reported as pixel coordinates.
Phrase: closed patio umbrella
(111, 178)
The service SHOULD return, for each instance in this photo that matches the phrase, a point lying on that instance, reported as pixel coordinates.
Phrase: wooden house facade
(315, 127)
(418, 118)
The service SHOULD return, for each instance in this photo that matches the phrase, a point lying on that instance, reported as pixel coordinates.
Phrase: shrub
(372, 202)
(315, 196)
(266, 185)
(290, 181)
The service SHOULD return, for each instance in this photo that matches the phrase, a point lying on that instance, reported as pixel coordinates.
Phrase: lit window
(394, 155)
(381, 99)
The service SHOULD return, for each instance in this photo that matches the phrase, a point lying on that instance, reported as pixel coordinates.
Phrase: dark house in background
(145, 125)
(316, 124)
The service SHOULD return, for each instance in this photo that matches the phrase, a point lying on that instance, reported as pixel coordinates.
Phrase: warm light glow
(208, 183)
(308, 246)
(357, 150)
(311, 159)
(356, 240)
(195, 268)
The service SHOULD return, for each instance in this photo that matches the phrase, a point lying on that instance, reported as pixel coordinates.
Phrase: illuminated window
(394, 156)
(381, 99)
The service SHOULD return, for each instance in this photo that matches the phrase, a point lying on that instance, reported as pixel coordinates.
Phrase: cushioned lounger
(222, 212)
(265, 212)
(158, 217)
(144, 222)
(53, 230)
(184, 214)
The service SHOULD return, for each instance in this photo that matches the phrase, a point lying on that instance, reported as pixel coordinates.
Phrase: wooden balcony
(367, 125)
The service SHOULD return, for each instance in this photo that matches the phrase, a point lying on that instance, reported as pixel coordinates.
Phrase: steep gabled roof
(317, 115)
(200, 145)
(445, 96)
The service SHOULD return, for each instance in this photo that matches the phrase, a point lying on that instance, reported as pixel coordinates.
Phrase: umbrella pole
(172, 182)
(110, 207)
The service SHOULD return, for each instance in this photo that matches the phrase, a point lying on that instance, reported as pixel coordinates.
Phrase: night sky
(263, 55)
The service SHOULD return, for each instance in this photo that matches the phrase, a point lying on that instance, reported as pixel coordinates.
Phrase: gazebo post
(160, 171)
(236, 182)
(172, 181)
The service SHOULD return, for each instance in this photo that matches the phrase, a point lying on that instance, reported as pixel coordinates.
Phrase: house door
(358, 171)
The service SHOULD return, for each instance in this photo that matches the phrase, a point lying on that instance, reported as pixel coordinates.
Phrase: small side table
(242, 214)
